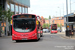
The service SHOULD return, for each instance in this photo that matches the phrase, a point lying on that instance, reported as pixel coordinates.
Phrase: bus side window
(41, 28)
(39, 24)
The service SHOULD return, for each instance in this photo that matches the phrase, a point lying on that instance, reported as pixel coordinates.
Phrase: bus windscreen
(23, 25)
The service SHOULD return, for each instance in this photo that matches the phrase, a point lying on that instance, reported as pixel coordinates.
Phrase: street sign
(67, 26)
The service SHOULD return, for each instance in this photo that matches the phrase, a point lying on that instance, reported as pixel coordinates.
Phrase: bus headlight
(14, 35)
(34, 34)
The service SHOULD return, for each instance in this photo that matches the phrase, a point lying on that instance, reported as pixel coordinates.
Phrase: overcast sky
(50, 7)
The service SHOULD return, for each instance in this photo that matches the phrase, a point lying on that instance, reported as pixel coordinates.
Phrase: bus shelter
(70, 28)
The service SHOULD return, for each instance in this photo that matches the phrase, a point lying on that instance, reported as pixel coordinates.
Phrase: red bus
(25, 27)
(53, 28)
(41, 29)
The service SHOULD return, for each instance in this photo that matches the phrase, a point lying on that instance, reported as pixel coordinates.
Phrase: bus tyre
(38, 39)
(17, 40)
(41, 35)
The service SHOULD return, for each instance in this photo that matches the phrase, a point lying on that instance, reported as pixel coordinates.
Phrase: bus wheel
(17, 40)
(41, 35)
(38, 39)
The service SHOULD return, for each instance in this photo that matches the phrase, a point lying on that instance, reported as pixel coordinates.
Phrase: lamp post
(60, 23)
(60, 18)
(63, 9)
(59, 11)
(70, 6)
(67, 13)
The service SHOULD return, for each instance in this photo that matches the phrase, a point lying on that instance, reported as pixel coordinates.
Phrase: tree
(58, 25)
(0, 13)
(45, 25)
(49, 17)
(7, 14)
(46, 18)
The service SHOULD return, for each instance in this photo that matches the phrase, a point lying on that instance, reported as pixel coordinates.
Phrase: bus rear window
(54, 27)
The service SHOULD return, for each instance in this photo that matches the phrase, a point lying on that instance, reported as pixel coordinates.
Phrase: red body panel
(38, 31)
(20, 36)
(54, 31)
(41, 31)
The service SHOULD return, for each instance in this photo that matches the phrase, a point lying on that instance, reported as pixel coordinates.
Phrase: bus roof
(24, 14)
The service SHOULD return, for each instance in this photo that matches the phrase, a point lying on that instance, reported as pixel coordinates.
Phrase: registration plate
(24, 39)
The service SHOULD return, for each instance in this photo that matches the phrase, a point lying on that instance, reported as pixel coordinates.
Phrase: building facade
(42, 20)
(16, 6)
(47, 21)
(57, 20)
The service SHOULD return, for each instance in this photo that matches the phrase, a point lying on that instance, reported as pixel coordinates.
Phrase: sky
(53, 8)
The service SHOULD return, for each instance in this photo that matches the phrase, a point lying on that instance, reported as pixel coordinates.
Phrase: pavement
(63, 35)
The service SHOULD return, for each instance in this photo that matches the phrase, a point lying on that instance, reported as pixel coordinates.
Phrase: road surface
(47, 42)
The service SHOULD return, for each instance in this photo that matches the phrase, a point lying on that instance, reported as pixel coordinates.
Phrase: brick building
(57, 20)
(47, 21)
(42, 20)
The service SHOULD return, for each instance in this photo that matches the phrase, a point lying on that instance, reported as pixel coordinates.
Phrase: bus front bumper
(24, 38)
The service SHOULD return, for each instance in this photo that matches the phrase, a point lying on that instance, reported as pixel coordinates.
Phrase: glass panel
(24, 25)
